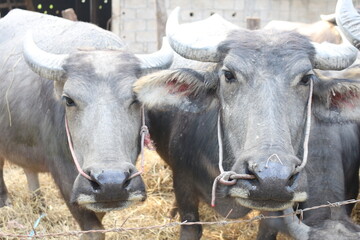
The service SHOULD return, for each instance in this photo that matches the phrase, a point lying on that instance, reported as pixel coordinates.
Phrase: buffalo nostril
(251, 171)
(292, 179)
(95, 186)
(94, 182)
(126, 183)
(109, 179)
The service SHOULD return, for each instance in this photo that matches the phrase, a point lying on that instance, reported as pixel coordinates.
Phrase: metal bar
(94, 12)
(12, 5)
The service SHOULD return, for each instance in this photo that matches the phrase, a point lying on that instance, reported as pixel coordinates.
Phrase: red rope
(78, 167)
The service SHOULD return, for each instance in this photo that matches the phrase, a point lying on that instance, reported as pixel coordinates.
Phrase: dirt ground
(23, 213)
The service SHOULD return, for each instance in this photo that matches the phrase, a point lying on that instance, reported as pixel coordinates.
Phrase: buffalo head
(103, 117)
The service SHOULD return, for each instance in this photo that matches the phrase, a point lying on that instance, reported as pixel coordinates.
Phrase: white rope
(307, 130)
(143, 132)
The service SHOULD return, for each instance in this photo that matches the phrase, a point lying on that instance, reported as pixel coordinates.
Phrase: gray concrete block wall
(137, 18)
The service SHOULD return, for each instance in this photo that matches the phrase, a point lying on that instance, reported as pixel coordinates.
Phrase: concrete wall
(135, 20)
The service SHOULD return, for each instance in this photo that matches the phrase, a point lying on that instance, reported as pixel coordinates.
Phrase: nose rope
(73, 152)
(230, 177)
(143, 132)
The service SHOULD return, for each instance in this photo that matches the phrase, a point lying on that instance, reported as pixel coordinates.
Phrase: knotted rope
(226, 177)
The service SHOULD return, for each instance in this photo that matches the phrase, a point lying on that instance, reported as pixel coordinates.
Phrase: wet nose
(272, 171)
(273, 180)
(112, 184)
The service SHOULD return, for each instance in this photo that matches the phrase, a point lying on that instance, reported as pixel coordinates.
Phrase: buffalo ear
(337, 100)
(184, 89)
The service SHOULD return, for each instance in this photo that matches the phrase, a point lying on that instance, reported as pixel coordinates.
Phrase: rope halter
(144, 131)
(229, 178)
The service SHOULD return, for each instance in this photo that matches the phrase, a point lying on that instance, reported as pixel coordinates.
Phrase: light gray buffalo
(320, 31)
(81, 73)
(248, 100)
(324, 30)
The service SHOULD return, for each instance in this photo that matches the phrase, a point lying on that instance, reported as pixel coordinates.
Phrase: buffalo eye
(134, 102)
(229, 76)
(69, 102)
(305, 80)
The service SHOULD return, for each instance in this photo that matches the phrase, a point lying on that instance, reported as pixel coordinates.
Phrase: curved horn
(45, 64)
(297, 230)
(348, 20)
(331, 56)
(161, 59)
(198, 40)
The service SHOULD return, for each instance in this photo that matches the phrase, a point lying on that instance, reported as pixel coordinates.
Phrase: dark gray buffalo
(333, 176)
(92, 88)
(252, 88)
(333, 169)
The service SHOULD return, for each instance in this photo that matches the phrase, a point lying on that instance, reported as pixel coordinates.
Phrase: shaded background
(141, 22)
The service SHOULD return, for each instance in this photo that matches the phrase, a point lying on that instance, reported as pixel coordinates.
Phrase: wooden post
(29, 5)
(252, 23)
(161, 18)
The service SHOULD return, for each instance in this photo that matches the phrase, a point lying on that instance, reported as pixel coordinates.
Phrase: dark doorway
(95, 11)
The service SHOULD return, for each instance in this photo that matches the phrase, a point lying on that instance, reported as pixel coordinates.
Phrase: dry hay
(19, 218)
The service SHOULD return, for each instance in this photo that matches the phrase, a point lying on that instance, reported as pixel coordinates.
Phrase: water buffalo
(252, 93)
(83, 75)
(334, 166)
